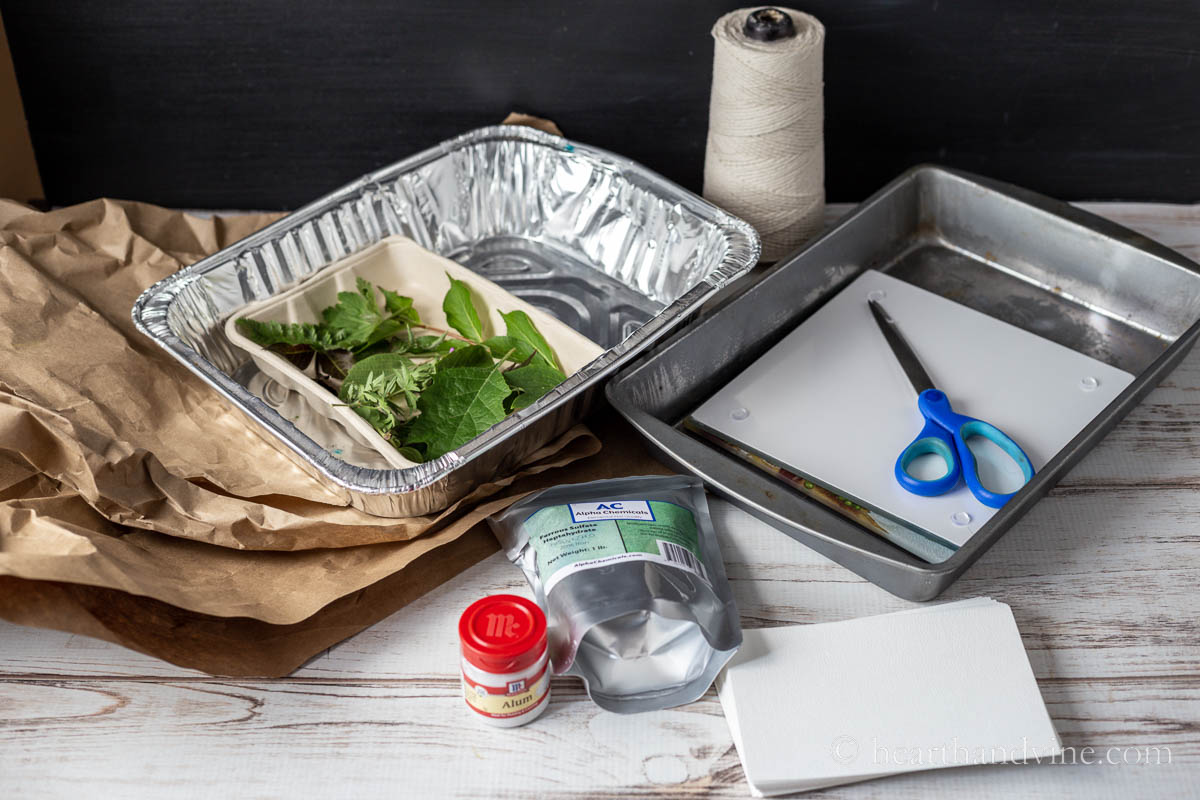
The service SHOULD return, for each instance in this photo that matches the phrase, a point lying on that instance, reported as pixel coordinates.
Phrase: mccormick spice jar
(505, 660)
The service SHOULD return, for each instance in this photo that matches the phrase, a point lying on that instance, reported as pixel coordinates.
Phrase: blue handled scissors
(945, 433)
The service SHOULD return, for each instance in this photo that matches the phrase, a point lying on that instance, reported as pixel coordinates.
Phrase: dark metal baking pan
(1036, 263)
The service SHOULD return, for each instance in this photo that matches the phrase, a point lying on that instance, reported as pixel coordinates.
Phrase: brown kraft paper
(233, 646)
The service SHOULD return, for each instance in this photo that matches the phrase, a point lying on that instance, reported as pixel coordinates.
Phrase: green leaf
(412, 454)
(521, 327)
(386, 329)
(267, 334)
(510, 348)
(472, 355)
(381, 421)
(360, 323)
(400, 307)
(460, 403)
(356, 316)
(520, 400)
(460, 311)
(532, 382)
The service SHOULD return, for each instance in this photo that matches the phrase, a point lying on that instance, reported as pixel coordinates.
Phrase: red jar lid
(502, 633)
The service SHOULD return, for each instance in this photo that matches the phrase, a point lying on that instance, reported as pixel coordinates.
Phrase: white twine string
(765, 160)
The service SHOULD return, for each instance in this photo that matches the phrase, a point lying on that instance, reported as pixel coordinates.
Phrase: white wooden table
(1102, 577)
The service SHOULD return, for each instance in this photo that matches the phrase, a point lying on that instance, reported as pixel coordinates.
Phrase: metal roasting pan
(1036, 263)
(609, 247)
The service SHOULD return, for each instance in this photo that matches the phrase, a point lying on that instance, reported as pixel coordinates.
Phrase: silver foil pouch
(631, 579)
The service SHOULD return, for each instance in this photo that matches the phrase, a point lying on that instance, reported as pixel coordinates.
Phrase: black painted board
(267, 104)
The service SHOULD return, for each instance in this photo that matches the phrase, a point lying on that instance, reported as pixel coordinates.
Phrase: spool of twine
(765, 158)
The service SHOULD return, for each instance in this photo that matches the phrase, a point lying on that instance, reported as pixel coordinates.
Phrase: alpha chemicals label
(579, 536)
(611, 509)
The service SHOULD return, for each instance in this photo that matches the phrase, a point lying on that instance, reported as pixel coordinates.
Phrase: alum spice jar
(505, 660)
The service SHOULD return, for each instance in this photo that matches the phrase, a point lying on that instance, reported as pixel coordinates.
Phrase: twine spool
(765, 159)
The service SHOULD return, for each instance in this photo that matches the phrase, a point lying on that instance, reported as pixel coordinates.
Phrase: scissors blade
(904, 354)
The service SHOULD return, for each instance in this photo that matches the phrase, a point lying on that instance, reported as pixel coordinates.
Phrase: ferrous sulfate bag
(631, 579)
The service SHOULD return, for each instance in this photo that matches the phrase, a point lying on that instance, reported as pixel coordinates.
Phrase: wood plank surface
(1101, 576)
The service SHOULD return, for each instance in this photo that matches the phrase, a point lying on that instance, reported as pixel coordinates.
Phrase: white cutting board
(831, 403)
(811, 706)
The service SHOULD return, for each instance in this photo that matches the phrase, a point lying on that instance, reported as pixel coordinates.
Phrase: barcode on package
(681, 556)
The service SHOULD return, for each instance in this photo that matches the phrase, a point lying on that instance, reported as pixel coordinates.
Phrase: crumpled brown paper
(234, 646)
(49, 532)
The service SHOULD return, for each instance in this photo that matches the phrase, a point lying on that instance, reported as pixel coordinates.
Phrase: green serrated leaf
(460, 403)
(532, 381)
(355, 317)
(267, 334)
(520, 326)
(400, 307)
(461, 312)
(509, 348)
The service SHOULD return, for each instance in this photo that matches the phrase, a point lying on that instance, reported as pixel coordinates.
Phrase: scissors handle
(945, 434)
(932, 440)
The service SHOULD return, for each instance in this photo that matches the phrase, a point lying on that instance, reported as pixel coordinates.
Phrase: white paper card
(830, 401)
(819, 705)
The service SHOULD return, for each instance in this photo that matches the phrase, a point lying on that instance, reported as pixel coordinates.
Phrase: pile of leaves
(427, 391)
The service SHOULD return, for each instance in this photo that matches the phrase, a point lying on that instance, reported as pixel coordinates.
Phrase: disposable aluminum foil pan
(1033, 262)
(609, 247)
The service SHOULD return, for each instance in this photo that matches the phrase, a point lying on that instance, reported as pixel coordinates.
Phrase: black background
(254, 104)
